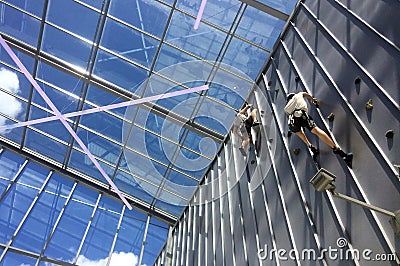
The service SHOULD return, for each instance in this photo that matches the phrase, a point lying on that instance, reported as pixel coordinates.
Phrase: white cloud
(117, 259)
(9, 105)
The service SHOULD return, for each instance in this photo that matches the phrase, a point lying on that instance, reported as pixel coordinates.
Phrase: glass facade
(49, 219)
(122, 50)
(57, 207)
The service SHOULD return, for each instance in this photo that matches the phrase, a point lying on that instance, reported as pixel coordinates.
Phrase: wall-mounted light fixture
(324, 180)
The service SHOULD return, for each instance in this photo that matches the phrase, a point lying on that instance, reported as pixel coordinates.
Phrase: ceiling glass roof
(87, 54)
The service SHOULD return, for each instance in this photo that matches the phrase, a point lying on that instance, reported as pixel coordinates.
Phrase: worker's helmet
(289, 96)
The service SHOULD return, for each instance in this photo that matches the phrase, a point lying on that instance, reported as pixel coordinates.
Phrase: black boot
(347, 157)
(314, 151)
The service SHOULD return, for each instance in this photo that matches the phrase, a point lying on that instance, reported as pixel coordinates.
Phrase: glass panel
(9, 105)
(169, 56)
(14, 81)
(180, 184)
(66, 240)
(101, 98)
(156, 236)
(99, 146)
(197, 142)
(19, 25)
(118, 71)
(205, 42)
(142, 167)
(35, 8)
(226, 95)
(96, 4)
(135, 45)
(25, 59)
(64, 81)
(171, 204)
(55, 127)
(170, 2)
(127, 183)
(81, 162)
(176, 178)
(218, 12)
(9, 164)
(18, 199)
(130, 237)
(286, 6)
(147, 119)
(101, 233)
(245, 57)
(104, 124)
(41, 144)
(12, 258)
(149, 16)
(260, 28)
(182, 104)
(191, 163)
(161, 150)
(85, 26)
(211, 121)
(33, 175)
(36, 229)
(14, 134)
(66, 47)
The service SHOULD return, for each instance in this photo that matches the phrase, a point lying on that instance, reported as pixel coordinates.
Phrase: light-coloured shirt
(296, 103)
(239, 119)
(237, 122)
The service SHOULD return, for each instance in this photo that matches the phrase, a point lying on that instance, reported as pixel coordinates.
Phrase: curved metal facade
(345, 53)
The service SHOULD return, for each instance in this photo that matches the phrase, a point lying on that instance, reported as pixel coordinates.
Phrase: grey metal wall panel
(375, 54)
(208, 227)
(281, 230)
(264, 233)
(248, 221)
(384, 18)
(199, 253)
(189, 239)
(233, 205)
(328, 45)
(227, 238)
(216, 219)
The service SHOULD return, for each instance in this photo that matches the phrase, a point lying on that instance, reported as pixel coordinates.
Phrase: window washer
(297, 110)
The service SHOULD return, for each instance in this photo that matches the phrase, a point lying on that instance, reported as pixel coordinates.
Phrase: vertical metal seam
(28, 211)
(116, 235)
(189, 235)
(12, 181)
(35, 70)
(236, 156)
(87, 228)
(56, 224)
(146, 229)
(222, 219)
(228, 149)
